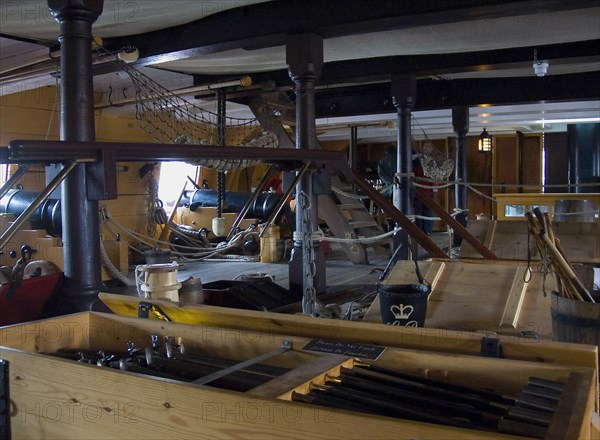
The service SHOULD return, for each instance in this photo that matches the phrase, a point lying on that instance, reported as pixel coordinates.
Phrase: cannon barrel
(47, 216)
(234, 201)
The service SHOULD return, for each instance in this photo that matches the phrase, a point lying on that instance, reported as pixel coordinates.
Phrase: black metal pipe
(80, 216)
(419, 400)
(323, 399)
(486, 394)
(428, 390)
(396, 408)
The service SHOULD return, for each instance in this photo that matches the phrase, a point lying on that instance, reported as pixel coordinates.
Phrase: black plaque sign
(361, 351)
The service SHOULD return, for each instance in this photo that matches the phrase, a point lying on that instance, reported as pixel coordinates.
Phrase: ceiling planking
(32, 18)
(448, 38)
(463, 44)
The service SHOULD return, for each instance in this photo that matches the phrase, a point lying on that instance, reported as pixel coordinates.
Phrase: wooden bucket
(575, 321)
(158, 281)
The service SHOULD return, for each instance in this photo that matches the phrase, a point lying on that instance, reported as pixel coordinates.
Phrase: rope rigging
(170, 118)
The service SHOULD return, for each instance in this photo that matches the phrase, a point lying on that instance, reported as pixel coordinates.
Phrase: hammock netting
(170, 118)
(436, 165)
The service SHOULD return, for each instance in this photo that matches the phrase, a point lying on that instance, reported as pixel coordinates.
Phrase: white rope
(111, 268)
(234, 258)
(420, 185)
(320, 236)
(595, 211)
(499, 185)
(476, 191)
(198, 254)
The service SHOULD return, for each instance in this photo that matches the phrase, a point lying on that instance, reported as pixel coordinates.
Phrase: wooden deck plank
(472, 296)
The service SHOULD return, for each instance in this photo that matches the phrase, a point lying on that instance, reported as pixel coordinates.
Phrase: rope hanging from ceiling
(170, 118)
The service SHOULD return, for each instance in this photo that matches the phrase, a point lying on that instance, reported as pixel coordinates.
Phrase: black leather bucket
(404, 305)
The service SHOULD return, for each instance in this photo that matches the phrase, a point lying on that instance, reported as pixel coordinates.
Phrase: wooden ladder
(359, 217)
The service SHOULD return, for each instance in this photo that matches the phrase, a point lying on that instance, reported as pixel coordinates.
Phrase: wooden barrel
(575, 321)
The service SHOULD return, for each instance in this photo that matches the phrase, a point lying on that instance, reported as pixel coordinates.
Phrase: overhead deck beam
(443, 94)
(267, 24)
(378, 69)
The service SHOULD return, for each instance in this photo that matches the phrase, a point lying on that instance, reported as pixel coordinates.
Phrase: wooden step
(350, 206)
(345, 188)
(362, 223)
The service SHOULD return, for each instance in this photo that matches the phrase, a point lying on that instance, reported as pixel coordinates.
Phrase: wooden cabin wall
(33, 114)
(557, 161)
(531, 162)
(29, 115)
(501, 168)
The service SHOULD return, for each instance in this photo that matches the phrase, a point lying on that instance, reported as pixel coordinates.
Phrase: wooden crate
(57, 398)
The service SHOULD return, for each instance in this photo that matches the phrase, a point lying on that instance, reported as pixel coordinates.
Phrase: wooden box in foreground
(57, 398)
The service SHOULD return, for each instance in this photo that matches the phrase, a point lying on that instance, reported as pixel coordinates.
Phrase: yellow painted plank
(433, 339)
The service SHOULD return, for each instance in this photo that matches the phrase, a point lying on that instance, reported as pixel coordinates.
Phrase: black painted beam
(379, 69)
(440, 94)
(267, 24)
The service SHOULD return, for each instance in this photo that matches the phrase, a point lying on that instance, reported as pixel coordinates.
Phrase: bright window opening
(3, 174)
(173, 175)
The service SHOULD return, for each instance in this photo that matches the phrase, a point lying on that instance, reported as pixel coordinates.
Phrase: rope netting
(170, 118)
(436, 165)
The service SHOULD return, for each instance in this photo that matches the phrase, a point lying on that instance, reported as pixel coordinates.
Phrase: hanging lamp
(484, 144)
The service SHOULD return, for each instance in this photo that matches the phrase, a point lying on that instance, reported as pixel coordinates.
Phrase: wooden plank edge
(419, 338)
(299, 379)
(573, 415)
(514, 302)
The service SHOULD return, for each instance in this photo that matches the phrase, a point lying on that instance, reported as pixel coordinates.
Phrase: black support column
(460, 123)
(80, 217)
(353, 147)
(304, 56)
(404, 93)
